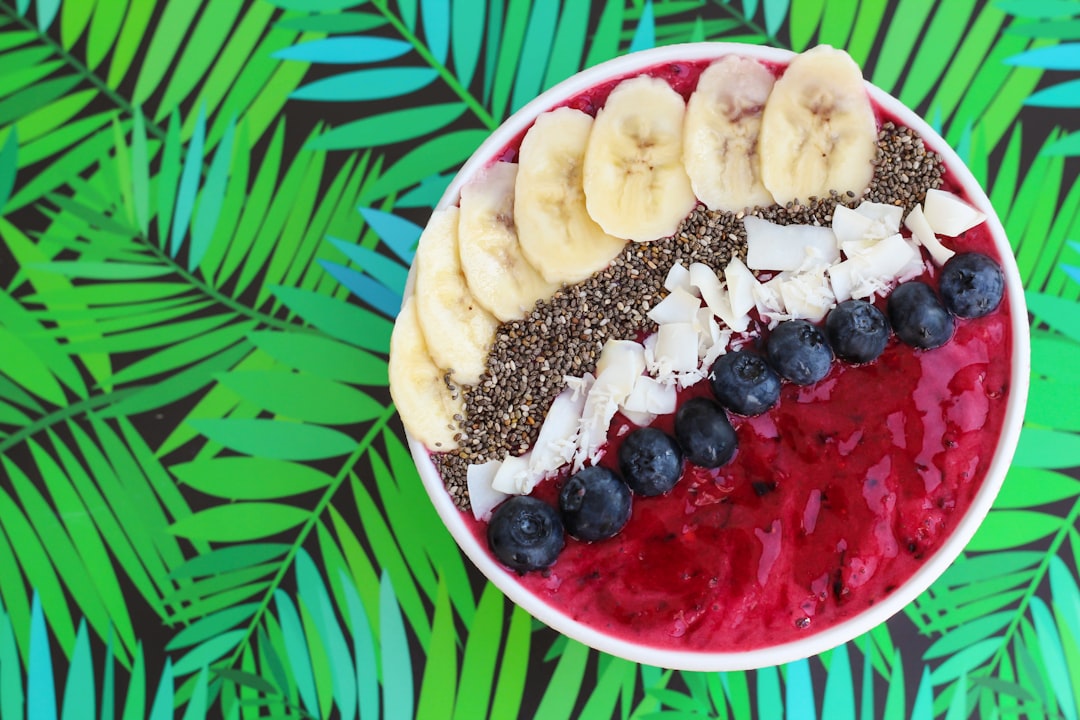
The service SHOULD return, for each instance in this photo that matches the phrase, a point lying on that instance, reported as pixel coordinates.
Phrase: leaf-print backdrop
(207, 209)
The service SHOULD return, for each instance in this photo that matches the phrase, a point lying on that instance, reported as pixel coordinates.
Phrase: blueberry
(650, 461)
(704, 433)
(857, 331)
(744, 383)
(525, 533)
(971, 285)
(918, 317)
(799, 351)
(595, 504)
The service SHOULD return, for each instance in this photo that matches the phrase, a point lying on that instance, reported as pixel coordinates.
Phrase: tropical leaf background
(207, 211)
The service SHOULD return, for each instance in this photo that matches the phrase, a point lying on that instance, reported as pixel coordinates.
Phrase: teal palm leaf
(789, 691)
(517, 62)
(378, 278)
(88, 689)
(1043, 20)
(1012, 659)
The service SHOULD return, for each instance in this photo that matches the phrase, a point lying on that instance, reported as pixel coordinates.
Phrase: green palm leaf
(115, 504)
(60, 80)
(311, 644)
(111, 319)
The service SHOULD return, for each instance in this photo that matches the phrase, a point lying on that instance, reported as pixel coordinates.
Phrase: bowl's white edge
(843, 632)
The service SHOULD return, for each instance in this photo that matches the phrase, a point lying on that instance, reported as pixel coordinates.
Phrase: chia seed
(564, 334)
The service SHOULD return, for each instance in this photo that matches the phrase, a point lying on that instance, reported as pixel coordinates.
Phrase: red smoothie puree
(834, 498)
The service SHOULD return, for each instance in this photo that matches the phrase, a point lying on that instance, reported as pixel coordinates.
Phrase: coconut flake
(621, 363)
(785, 247)
(920, 229)
(915, 267)
(948, 214)
(678, 277)
(888, 215)
(676, 347)
(651, 396)
(512, 475)
(556, 442)
(679, 306)
(807, 295)
(842, 279)
(740, 286)
(482, 496)
(873, 270)
(770, 301)
(716, 296)
(850, 226)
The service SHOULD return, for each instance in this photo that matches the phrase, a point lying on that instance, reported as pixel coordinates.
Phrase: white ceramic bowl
(933, 567)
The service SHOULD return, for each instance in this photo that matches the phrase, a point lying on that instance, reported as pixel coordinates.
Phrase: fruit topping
(650, 461)
(744, 382)
(918, 317)
(704, 433)
(723, 117)
(556, 233)
(635, 184)
(799, 351)
(495, 269)
(525, 534)
(818, 131)
(948, 214)
(787, 247)
(457, 328)
(971, 285)
(483, 496)
(921, 231)
(595, 504)
(857, 331)
(425, 399)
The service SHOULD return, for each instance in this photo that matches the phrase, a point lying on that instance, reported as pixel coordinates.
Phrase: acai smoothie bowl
(713, 356)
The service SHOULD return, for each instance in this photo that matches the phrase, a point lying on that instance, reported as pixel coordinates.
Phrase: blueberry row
(594, 504)
(856, 331)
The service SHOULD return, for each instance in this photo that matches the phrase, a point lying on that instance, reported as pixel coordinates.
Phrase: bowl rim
(932, 568)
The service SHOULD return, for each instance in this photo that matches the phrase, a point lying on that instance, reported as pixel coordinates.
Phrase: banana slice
(499, 276)
(425, 401)
(635, 184)
(557, 235)
(723, 118)
(818, 131)
(458, 331)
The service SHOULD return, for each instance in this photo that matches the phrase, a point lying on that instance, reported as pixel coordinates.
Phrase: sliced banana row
(501, 279)
(558, 233)
(426, 401)
(582, 188)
